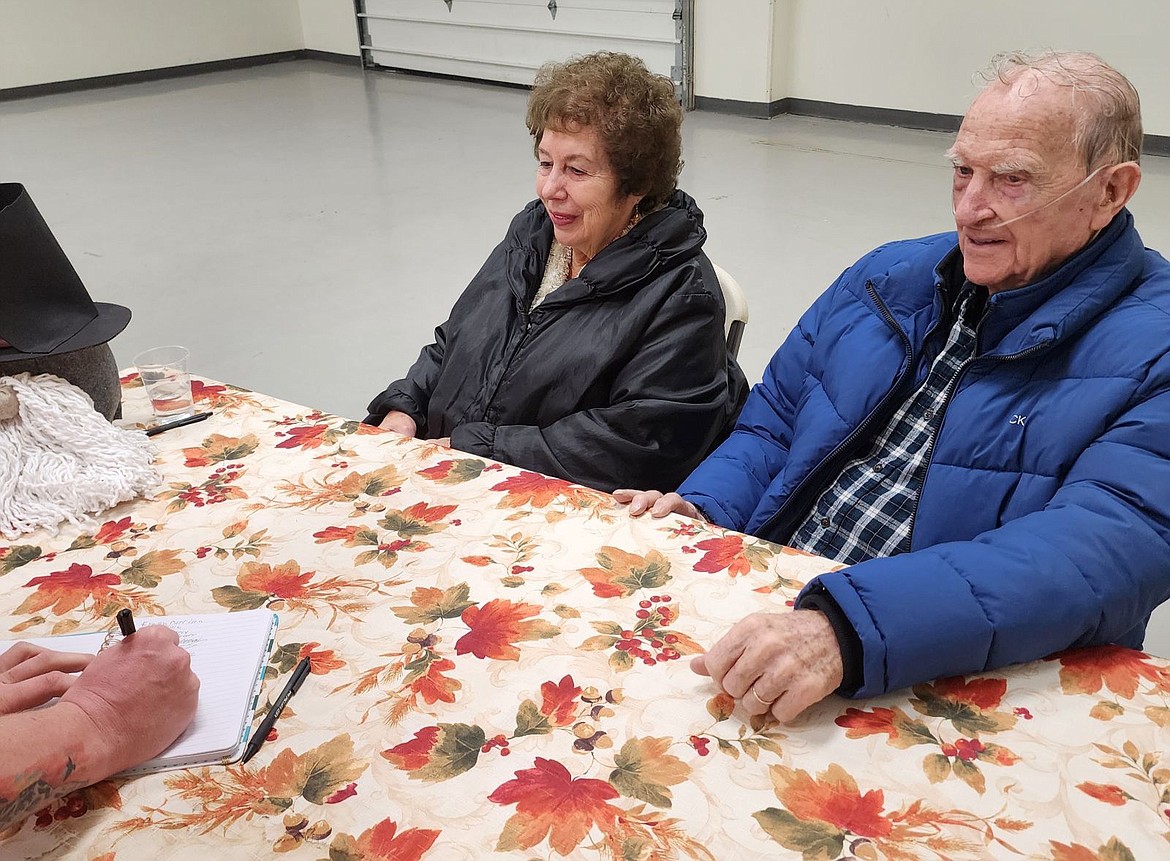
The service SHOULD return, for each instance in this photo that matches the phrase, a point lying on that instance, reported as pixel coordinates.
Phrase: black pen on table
(290, 688)
(177, 423)
(126, 622)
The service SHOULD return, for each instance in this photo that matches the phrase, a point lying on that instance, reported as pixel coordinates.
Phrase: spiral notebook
(228, 654)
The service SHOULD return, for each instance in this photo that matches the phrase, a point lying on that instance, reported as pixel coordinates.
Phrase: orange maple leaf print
(335, 533)
(414, 754)
(981, 693)
(859, 723)
(622, 573)
(726, 552)
(304, 437)
(111, 531)
(218, 448)
(200, 391)
(550, 802)
(558, 701)
(321, 661)
(66, 590)
(532, 488)
(282, 581)
(1084, 671)
(459, 471)
(428, 513)
(439, 471)
(497, 625)
(382, 842)
(433, 686)
(832, 797)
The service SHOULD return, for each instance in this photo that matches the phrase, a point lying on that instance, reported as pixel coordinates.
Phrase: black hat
(44, 308)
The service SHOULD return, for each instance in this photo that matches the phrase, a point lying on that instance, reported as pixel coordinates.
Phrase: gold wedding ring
(765, 703)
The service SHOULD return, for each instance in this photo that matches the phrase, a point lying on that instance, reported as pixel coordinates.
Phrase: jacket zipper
(487, 405)
(526, 316)
(846, 443)
(950, 390)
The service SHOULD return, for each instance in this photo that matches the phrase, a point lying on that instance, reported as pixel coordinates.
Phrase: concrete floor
(302, 227)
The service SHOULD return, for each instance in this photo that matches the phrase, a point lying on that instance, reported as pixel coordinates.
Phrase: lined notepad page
(227, 654)
(228, 651)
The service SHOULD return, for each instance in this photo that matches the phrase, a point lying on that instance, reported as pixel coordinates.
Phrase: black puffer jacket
(620, 378)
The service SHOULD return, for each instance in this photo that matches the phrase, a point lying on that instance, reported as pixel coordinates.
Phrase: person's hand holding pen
(131, 702)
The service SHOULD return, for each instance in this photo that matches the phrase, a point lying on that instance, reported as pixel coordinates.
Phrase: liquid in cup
(170, 397)
(163, 371)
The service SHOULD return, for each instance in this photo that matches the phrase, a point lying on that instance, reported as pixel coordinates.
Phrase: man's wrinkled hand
(776, 662)
(657, 503)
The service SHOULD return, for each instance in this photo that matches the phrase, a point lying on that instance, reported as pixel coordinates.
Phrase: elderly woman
(590, 346)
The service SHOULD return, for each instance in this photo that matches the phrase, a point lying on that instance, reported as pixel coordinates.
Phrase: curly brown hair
(633, 111)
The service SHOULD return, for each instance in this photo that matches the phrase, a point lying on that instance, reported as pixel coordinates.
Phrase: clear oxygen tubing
(1041, 208)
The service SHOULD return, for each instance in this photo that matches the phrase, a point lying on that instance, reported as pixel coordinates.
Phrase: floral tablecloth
(499, 670)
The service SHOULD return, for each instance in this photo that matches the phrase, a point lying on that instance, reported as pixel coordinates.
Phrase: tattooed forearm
(35, 794)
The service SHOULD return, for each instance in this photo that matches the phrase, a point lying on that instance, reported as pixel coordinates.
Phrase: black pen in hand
(290, 688)
(126, 622)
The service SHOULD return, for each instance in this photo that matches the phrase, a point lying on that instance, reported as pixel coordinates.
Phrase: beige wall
(920, 54)
(43, 41)
(916, 55)
(328, 25)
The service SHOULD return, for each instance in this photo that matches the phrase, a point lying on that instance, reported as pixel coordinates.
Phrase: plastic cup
(163, 371)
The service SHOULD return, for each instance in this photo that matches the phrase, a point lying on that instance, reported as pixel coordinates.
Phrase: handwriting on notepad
(187, 627)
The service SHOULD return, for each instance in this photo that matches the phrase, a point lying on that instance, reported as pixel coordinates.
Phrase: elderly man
(976, 424)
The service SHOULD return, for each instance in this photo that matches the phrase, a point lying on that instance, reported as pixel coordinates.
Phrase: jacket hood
(663, 239)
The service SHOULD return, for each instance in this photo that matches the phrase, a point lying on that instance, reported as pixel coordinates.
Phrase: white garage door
(508, 40)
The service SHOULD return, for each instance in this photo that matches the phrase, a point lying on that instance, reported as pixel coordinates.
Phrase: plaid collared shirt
(868, 511)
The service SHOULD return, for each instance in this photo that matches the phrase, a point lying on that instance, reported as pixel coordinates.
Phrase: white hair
(1109, 129)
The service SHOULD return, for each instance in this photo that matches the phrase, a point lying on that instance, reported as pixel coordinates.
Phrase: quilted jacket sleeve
(1085, 570)
(412, 394)
(667, 406)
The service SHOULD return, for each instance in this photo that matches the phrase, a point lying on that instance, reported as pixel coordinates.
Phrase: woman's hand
(399, 422)
(657, 503)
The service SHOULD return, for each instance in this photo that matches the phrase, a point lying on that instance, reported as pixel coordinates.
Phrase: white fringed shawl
(60, 459)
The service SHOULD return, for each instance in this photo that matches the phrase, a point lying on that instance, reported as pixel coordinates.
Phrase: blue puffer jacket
(1044, 517)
